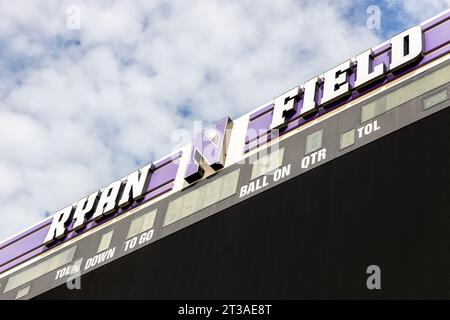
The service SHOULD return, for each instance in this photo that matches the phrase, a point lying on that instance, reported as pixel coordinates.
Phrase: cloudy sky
(91, 90)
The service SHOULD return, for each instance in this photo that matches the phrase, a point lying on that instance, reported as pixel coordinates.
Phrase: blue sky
(90, 90)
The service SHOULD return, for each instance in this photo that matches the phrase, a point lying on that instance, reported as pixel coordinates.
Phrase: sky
(92, 90)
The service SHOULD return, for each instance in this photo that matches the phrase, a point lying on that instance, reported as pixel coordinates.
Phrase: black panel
(386, 203)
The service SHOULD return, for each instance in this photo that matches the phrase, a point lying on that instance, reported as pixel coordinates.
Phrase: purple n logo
(209, 147)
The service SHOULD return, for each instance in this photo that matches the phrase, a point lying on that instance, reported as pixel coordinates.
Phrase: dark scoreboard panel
(386, 203)
(366, 186)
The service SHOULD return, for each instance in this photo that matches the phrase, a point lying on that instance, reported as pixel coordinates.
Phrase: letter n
(208, 149)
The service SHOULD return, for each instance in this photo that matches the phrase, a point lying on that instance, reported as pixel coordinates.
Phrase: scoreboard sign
(180, 178)
(354, 74)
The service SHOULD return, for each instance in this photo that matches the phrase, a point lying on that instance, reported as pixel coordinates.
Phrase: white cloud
(420, 10)
(14, 181)
(81, 108)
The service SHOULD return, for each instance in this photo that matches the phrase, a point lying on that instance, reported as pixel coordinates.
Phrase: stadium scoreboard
(271, 181)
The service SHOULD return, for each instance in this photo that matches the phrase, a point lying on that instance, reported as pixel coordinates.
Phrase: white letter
(283, 106)
(243, 191)
(108, 200)
(84, 207)
(59, 223)
(305, 162)
(322, 154)
(406, 47)
(366, 72)
(376, 127)
(335, 82)
(360, 132)
(135, 185)
(309, 96)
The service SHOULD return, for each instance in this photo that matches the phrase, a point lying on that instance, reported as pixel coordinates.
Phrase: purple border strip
(436, 21)
(19, 236)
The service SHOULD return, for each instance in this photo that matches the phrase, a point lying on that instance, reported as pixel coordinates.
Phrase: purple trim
(436, 44)
(258, 125)
(163, 175)
(22, 258)
(21, 246)
(437, 37)
(159, 191)
(6, 243)
(261, 111)
(436, 21)
(167, 160)
(382, 49)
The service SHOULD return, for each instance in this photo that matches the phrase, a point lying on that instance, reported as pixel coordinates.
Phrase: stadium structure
(337, 188)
